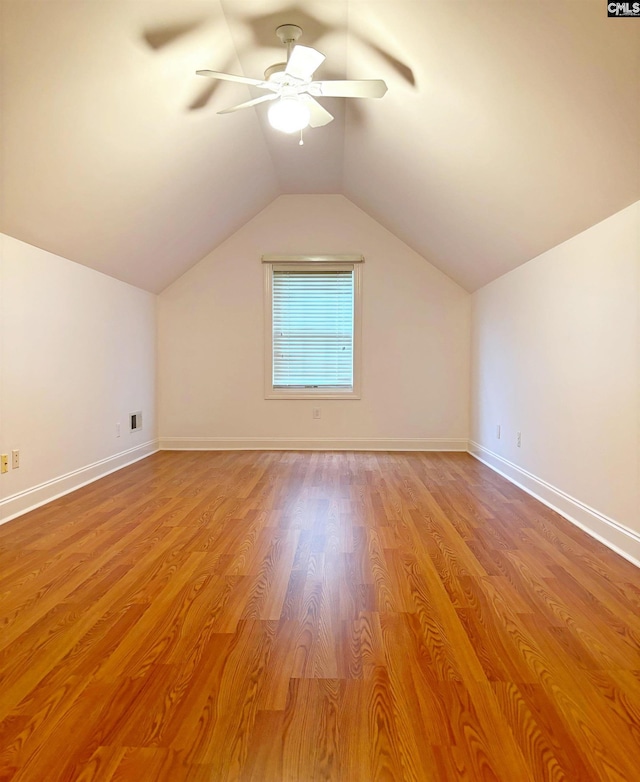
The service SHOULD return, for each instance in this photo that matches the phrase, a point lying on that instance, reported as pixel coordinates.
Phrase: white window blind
(313, 327)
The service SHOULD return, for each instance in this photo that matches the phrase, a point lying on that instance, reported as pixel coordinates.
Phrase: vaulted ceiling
(508, 127)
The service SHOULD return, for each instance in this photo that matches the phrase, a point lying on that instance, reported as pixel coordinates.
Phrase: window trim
(273, 263)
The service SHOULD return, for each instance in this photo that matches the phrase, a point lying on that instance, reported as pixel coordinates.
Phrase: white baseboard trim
(27, 500)
(616, 536)
(310, 444)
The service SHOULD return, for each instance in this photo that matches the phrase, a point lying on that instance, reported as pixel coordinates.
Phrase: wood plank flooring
(295, 616)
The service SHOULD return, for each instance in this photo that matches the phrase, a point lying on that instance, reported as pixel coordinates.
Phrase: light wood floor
(308, 616)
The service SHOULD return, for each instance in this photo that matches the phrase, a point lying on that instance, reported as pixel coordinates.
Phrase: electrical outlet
(498, 431)
(4, 462)
(316, 412)
(118, 429)
(518, 439)
(15, 459)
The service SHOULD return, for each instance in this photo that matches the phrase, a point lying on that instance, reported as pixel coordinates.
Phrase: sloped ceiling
(508, 126)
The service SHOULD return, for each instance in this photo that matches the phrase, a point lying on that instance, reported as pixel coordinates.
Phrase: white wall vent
(136, 421)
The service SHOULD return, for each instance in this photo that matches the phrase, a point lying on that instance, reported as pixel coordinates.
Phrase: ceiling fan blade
(364, 88)
(319, 115)
(303, 62)
(249, 103)
(264, 85)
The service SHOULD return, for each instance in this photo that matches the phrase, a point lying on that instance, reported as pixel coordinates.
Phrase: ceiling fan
(291, 87)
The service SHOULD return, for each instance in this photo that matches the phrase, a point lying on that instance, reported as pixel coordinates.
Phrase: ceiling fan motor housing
(275, 72)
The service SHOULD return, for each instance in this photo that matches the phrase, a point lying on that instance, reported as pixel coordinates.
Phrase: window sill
(311, 393)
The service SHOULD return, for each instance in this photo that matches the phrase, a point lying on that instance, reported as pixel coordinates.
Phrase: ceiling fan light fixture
(291, 87)
(289, 115)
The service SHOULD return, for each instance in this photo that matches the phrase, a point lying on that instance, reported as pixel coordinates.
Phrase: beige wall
(556, 352)
(77, 355)
(555, 355)
(415, 386)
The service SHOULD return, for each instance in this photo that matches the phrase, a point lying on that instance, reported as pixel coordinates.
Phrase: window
(312, 334)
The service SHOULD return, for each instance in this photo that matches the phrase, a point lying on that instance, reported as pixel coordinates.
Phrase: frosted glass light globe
(288, 115)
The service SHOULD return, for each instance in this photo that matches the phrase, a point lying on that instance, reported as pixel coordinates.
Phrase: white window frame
(273, 263)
